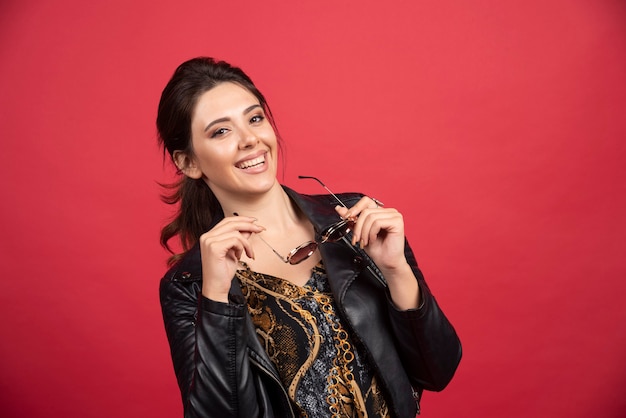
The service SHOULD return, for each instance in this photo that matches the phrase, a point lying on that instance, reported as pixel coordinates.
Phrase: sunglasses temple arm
(285, 260)
(324, 186)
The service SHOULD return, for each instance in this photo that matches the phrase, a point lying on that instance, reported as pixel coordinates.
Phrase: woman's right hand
(220, 249)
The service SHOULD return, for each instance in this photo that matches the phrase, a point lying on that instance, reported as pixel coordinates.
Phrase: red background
(497, 128)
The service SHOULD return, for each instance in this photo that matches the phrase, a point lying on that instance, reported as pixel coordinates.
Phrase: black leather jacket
(223, 371)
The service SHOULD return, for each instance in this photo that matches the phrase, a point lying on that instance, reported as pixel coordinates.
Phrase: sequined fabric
(317, 361)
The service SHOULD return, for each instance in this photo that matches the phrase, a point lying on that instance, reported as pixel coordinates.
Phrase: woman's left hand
(379, 231)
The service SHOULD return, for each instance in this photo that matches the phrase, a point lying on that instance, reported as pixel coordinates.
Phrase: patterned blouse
(323, 370)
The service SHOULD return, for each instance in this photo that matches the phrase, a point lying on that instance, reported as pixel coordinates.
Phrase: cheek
(213, 155)
(270, 136)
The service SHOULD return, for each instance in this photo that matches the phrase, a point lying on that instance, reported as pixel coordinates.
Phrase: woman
(343, 326)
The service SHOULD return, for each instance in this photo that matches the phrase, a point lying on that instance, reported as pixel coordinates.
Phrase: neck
(274, 210)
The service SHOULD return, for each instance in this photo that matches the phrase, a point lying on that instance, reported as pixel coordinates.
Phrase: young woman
(343, 325)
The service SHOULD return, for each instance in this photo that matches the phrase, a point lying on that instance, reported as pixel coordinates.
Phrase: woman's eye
(219, 132)
(257, 119)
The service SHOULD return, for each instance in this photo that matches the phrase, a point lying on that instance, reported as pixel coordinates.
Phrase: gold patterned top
(324, 371)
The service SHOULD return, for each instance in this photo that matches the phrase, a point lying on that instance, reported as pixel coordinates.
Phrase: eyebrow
(226, 119)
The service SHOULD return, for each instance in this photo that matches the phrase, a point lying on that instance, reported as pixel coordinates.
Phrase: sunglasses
(333, 233)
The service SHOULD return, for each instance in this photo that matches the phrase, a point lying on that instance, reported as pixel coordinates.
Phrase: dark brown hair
(197, 204)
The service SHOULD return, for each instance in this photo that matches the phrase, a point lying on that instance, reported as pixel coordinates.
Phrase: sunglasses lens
(336, 231)
(302, 252)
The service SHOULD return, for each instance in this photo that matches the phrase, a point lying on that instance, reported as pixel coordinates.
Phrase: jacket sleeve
(427, 343)
(208, 347)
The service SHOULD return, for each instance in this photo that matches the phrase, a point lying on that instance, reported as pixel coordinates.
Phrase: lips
(253, 162)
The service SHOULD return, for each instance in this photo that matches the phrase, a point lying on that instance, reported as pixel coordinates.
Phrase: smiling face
(234, 144)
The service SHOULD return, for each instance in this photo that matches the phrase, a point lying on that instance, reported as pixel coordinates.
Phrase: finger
(250, 219)
(365, 218)
(376, 229)
(231, 244)
(341, 211)
(362, 228)
(239, 220)
(237, 248)
(245, 248)
(246, 226)
(364, 203)
(235, 254)
(376, 223)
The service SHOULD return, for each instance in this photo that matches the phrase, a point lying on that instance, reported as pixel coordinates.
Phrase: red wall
(497, 128)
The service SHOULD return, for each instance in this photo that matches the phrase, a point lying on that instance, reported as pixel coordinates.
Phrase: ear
(187, 165)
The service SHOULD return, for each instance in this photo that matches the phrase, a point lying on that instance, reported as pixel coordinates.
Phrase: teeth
(252, 163)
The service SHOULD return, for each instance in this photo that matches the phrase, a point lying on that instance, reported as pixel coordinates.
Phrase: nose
(248, 139)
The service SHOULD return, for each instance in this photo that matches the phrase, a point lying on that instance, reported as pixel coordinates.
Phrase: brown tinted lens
(336, 231)
(302, 252)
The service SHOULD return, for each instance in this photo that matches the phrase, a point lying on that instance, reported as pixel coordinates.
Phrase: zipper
(417, 396)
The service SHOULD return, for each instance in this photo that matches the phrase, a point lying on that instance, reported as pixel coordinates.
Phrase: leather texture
(223, 371)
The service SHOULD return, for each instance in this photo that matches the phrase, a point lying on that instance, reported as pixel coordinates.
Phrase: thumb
(341, 210)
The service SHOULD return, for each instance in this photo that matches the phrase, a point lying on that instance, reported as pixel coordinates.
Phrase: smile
(260, 160)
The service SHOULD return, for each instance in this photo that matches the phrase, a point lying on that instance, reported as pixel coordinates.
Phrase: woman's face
(235, 146)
